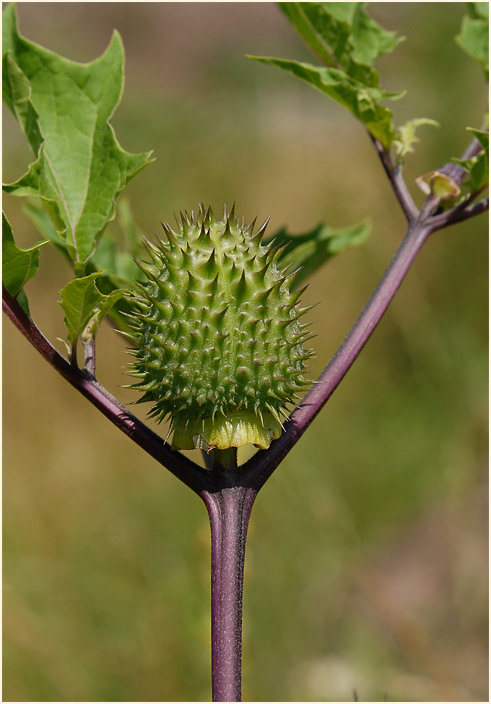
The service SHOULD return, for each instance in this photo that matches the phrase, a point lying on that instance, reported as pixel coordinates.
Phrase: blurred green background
(366, 566)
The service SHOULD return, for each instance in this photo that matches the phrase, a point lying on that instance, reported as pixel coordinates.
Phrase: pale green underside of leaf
(64, 108)
(312, 249)
(18, 265)
(406, 139)
(361, 100)
(105, 305)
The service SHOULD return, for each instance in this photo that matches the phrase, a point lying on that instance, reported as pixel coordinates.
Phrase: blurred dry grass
(366, 564)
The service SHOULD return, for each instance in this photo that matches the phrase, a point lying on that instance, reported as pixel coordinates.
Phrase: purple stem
(229, 511)
(459, 214)
(260, 467)
(394, 174)
(421, 224)
(229, 495)
(187, 471)
(89, 356)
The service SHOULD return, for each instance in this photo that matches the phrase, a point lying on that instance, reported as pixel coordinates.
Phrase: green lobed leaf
(370, 40)
(18, 265)
(348, 41)
(64, 107)
(121, 272)
(474, 34)
(362, 101)
(84, 305)
(16, 91)
(312, 249)
(342, 35)
(295, 12)
(118, 264)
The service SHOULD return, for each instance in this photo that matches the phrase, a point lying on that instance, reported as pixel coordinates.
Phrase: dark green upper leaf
(64, 108)
(370, 40)
(348, 42)
(361, 100)
(342, 35)
(120, 270)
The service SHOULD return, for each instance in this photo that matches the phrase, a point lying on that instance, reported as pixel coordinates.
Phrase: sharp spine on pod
(238, 385)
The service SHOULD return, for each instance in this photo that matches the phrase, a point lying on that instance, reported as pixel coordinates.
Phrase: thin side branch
(458, 214)
(255, 472)
(262, 465)
(89, 356)
(397, 182)
(188, 472)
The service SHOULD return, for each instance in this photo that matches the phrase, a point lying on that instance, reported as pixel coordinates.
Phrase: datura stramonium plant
(218, 344)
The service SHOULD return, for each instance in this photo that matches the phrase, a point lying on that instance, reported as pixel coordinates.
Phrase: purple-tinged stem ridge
(229, 511)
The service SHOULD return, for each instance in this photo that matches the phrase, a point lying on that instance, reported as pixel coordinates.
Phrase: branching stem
(459, 214)
(260, 467)
(394, 174)
(227, 493)
(190, 473)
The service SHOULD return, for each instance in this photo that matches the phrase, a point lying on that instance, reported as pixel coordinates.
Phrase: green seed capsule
(219, 348)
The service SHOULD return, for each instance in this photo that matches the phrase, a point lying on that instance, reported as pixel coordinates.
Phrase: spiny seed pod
(219, 347)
